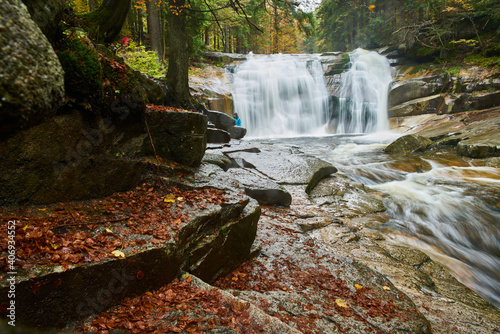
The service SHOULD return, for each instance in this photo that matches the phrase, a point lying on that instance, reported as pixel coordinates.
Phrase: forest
(424, 27)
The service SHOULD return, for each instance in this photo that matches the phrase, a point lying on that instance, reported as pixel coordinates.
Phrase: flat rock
(288, 168)
(264, 190)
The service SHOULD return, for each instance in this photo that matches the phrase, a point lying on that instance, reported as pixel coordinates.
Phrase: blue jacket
(237, 121)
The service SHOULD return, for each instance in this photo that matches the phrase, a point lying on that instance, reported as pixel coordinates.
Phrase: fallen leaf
(340, 302)
(118, 254)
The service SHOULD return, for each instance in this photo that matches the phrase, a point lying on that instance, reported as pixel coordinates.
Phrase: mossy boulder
(409, 144)
(177, 136)
(97, 83)
(31, 77)
(67, 158)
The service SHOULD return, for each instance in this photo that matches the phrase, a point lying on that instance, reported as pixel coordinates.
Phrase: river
(438, 202)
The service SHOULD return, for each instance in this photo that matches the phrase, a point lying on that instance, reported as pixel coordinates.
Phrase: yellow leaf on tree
(341, 302)
(371, 8)
(118, 253)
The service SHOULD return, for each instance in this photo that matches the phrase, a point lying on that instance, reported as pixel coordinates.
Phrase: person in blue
(237, 120)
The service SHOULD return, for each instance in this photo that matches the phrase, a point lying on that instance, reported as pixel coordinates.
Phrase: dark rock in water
(31, 75)
(409, 144)
(220, 120)
(264, 190)
(479, 148)
(217, 136)
(178, 136)
(237, 132)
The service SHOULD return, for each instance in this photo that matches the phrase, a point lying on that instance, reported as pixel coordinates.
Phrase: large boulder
(178, 136)
(31, 77)
(47, 15)
(418, 88)
(237, 132)
(220, 120)
(68, 158)
(217, 136)
(426, 105)
(408, 144)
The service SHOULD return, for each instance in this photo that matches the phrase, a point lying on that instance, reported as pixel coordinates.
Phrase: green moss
(82, 68)
(94, 80)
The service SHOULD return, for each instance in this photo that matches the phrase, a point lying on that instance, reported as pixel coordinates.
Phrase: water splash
(280, 95)
(363, 96)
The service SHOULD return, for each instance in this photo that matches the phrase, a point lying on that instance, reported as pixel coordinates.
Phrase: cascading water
(363, 95)
(280, 95)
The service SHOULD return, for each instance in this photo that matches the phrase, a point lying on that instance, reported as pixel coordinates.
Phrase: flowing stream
(438, 202)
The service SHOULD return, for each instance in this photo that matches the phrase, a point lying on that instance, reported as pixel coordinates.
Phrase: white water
(447, 208)
(286, 95)
(280, 95)
(363, 95)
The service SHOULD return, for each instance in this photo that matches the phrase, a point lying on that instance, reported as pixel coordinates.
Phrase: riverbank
(325, 264)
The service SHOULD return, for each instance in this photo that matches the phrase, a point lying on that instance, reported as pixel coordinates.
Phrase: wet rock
(217, 159)
(345, 198)
(217, 136)
(416, 88)
(267, 323)
(220, 120)
(409, 144)
(426, 105)
(301, 281)
(237, 132)
(210, 242)
(225, 58)
(264, 190)
(288, 168)
(31, 75)
(178, 136)
(315, 223)
(475, 148)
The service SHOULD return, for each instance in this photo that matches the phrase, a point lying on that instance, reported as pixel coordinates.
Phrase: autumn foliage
(73, 234)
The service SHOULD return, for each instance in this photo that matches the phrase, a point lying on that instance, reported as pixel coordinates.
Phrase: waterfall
(280, 95)
(364, 89)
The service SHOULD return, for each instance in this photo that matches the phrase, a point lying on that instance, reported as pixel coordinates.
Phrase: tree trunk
(91, 5)
(207, 36)
(108, 19)
(275, 47)
(178, 61)
(154, 27)
(140, 26)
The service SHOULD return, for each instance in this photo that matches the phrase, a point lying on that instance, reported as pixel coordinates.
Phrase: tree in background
(420, 27)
